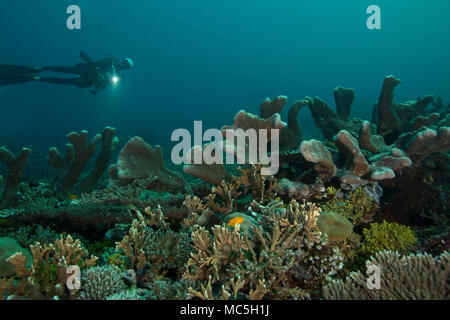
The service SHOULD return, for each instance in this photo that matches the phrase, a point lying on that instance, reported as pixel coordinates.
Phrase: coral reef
(365, 191)
(47, 276)
(212, 173)
(335, 226)
(330, 122)
(100, 282)
(69, 169)
(161, 252)
(356, 205)
(8, 247)
(10, 186)
(412, 277)
(138, 160)
(387, 236)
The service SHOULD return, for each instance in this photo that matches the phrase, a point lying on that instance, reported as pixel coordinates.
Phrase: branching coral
(228, 258)
(167, 290)
(195, 208)
(285, 257)
(228, 195)
(98, 283)
(8, 247)
(262, 187)
(132, 294)
(194, 204)
(163, 250)
(48, 274)
(413, 277)
(247, 237)
(213, 253)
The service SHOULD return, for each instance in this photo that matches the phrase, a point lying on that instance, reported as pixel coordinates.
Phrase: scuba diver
(97, 75)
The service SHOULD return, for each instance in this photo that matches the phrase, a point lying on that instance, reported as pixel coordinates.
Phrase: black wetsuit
(90, 74)
(11, 74)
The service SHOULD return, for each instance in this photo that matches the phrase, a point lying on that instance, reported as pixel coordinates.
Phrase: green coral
(47, 276)
(353, 207)
(30, 234)
(117, 260)
(387, 236)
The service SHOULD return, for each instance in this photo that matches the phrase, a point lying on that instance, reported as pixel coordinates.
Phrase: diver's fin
(10, 79)
(85, 57)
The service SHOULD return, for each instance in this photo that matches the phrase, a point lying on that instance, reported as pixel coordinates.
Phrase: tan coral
(194, 204)
(213, 173)
(413, 277)
(61, 254)
(315, 152)
(228, 194)
(212, 254)
(262, 187)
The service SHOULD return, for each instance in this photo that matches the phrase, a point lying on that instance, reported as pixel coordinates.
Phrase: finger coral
(69, 169)
(16, 166)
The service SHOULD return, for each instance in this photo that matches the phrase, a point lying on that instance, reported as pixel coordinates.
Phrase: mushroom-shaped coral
(139, 160)
(336, 226)
(315, 152)
(212, 173)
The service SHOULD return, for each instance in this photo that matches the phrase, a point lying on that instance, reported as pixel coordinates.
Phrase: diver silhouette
(97, 75)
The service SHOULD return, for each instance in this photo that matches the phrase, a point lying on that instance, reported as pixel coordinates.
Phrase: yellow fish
(74, 199)
(235, 221)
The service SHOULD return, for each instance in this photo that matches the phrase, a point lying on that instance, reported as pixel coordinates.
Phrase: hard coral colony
(369, 191)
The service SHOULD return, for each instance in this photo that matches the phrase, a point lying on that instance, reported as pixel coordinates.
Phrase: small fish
(235, 221)
(117, 233)
(74, 199)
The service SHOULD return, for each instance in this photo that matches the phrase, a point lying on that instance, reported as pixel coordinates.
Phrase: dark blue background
(205, 60)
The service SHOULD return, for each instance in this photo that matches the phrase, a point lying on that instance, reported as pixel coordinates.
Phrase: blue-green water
(344, 196)
(205, 60)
